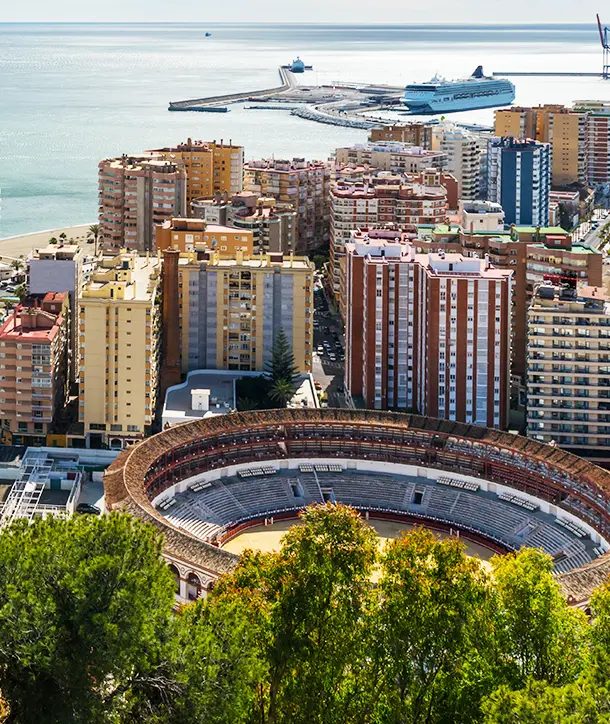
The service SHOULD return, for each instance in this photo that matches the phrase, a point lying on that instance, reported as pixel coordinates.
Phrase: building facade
(463, 151)
(210, 167)
(230, 310)
(416, 134)
(34, 343)
(303, 185)
(391, 156)
(568, 377)
(565, 129)
(598, 140)
(119, 348)
(273, 227)
(429, 332)
(382, 200)
(196, 234)
(136, 194)
(519, 179)
(59, 268)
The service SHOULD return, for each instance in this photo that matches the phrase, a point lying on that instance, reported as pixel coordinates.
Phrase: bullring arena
(206, 483)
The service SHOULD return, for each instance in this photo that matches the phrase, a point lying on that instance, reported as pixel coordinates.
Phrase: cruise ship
(449, 96)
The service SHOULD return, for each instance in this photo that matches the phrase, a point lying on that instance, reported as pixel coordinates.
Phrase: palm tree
(94, 230)
(21, 292)
(53, 240)
(63, 236)
(281, 392)
(17, 264)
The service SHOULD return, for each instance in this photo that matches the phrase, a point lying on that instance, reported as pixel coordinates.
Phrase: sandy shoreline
(16, 246)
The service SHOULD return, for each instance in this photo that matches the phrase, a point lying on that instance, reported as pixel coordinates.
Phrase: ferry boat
(448, 96)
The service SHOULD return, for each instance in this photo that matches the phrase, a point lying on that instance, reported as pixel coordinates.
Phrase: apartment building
(119, 349)
(381, 200)
(429, 332)
(304, 185)
(519, 179)
(59, 268)
(136, 194)
(463, 152)
(210, 167)
(273, 227)
(229, 310)
(34, 343)
(415, 134)
(598, 139)
(391, 156)
(197, 235)
(564, 129)
(478, 216)
(568, 376)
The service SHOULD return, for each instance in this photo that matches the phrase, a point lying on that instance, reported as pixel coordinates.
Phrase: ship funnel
(478, 73)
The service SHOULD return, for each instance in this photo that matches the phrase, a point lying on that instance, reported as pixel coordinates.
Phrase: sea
(72, 94)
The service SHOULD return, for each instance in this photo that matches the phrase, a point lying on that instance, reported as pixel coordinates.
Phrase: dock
(545, 74)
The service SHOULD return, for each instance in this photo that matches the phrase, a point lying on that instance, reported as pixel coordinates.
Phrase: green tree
(309, 604)
(85, 608)
(282, 366)
(537, 634)
(53, 240)
(539, 703)
(94, 230)
(21, 291)
(430, 619)
(63, 236)
(281, 392)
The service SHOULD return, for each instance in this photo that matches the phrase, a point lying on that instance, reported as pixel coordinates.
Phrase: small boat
(207, 35)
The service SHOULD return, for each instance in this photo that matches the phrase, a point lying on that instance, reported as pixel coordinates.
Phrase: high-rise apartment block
(391, 156)
(565, 129)
(210, 167)
(417, 134)
(229, 310)
(519, 179)
(273, 226)
(137, 193)
(598, 139)
(59, 268)
(568, 377)
(382, 200)
(481, 216)
(34, 367)
(463, 152)
(304, 185)
(119, 348)
(429, 332)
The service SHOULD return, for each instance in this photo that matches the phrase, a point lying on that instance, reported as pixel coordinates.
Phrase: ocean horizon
(74, 93)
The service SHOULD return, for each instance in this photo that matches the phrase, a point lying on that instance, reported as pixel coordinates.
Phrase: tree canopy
(332, 629)
(281, 367)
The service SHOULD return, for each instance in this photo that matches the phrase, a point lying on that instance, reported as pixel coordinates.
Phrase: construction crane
(603, 36)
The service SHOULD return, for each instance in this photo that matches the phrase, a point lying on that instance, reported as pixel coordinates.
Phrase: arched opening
(193, 587)
(176, 575)
(116, 444)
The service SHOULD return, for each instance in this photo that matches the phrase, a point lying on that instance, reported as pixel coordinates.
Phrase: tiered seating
(572, 527)
(256, 472)
(166, 504)
(516, 500)
(455, 483)
(441, 502)
(189, 518)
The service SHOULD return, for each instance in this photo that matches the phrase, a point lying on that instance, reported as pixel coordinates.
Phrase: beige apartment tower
(136, 194)
(210, 167)
(119, 349)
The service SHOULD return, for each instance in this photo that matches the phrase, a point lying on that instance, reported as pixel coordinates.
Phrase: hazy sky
(387, 11)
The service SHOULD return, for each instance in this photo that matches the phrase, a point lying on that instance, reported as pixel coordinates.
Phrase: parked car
(88, 509)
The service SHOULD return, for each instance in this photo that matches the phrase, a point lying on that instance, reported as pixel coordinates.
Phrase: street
(328, 357)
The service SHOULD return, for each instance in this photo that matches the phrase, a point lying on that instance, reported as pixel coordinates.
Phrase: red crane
(603, 36)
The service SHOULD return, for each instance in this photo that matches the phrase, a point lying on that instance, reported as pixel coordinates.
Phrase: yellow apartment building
(229, 311)
(564, 128)
(196, 234)
(209, 166)
(119, 349)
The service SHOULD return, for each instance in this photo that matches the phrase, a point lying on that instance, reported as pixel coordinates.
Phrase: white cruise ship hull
(432, 106)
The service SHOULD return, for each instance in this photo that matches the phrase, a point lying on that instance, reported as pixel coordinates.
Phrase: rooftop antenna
(603, 36)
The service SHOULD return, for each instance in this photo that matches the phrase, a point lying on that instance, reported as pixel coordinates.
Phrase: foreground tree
(431, 614)
(537, 635)
(309, 603)
(85, 609)
(94, 230)
(281, 392)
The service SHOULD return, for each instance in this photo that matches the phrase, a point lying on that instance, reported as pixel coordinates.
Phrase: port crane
(603, 36)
